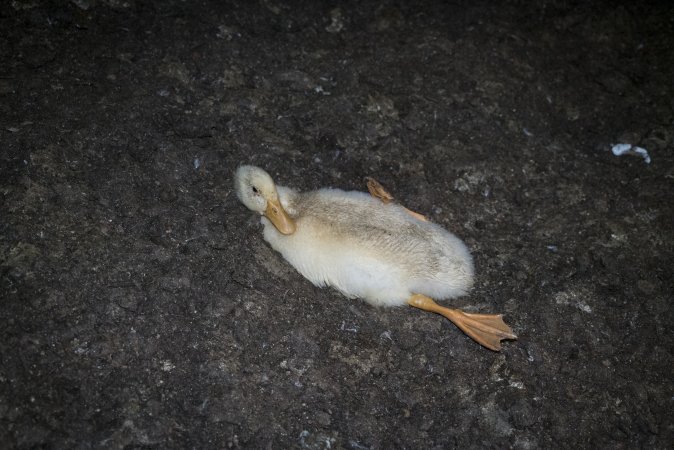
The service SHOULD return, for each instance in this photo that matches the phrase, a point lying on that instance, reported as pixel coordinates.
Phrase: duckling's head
(257, 191)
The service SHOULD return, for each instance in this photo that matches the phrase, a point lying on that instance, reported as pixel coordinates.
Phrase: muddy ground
(142, 308)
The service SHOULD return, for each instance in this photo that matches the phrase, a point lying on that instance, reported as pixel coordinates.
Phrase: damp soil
(141, 307)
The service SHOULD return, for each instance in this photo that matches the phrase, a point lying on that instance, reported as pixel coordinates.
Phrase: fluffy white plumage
(359, 245)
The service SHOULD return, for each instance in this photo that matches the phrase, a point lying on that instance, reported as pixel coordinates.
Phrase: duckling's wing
(424, 255)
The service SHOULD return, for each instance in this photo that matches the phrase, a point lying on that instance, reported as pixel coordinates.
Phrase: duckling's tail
(486, 329)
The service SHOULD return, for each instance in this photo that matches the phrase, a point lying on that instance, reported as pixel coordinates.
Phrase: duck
(367, 246)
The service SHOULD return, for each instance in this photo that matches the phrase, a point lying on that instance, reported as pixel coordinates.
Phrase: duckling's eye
(255, 190)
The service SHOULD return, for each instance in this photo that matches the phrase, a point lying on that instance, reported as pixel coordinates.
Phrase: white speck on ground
(629, 149)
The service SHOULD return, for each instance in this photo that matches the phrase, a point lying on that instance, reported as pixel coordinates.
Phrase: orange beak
(279, 217)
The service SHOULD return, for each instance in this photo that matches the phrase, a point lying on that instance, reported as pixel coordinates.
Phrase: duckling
(367, 246)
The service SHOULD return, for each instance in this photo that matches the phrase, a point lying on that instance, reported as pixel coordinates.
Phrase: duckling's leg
(378, 191)
(487, 329)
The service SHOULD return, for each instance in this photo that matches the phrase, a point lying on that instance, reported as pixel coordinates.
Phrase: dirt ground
(141, 307)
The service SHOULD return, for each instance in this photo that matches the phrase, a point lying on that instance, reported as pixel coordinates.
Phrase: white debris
(319, 90)
(352, 328)
(629, 149)
(584, 306)
(197, 163)
(573, 299)
(386, 335)
(81, 350)
(516, 384)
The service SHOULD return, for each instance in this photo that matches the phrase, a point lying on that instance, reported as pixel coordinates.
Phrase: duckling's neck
(288, 198)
